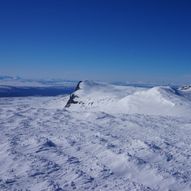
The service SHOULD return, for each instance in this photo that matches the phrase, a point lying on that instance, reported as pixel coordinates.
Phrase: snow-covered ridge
(161, 100)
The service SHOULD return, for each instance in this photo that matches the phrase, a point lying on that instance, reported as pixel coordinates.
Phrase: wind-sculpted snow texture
(111, 138)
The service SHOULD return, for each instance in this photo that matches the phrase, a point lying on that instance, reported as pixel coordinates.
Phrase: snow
(126, 99)
(114, 138)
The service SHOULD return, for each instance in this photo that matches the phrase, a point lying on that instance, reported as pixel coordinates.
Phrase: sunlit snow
(110, 138)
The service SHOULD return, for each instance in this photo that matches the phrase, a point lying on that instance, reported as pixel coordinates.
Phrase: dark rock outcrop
(184, 88)
(78, 86)
(73, 96)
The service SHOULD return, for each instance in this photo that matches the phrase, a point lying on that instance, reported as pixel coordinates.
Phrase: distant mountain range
(19, 87)
(18, 81)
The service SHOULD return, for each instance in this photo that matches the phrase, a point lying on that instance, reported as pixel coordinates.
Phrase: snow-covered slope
(107, 139)
(43, 146)
(125, 99)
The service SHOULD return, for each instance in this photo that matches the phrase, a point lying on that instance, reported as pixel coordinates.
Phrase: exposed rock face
(73, 96)
(78, 86)
(184, 88)
(71, 100)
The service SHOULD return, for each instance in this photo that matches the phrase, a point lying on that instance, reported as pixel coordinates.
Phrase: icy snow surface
(114, 138)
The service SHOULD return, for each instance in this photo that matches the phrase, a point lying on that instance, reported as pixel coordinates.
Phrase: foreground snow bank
(44, 146)
(125, 99)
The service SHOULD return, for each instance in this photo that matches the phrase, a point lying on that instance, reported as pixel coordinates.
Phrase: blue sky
(108, 40)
